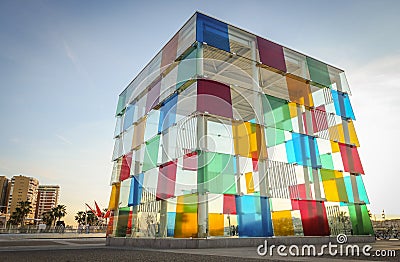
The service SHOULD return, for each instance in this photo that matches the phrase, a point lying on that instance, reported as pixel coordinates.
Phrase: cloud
(63, 139)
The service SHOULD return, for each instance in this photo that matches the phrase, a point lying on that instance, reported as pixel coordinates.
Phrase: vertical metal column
(202, 209)
(163, 218)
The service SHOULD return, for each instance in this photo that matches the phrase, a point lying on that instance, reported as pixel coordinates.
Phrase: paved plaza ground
(94, 249)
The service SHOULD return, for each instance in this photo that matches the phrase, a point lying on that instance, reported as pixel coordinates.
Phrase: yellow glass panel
(249, 140)
(353, 134)
(331, 192)
(335, 147)
(138, 134)
(341, 133)
(282, 223)
(216, 224)
(338, 174)
(187, 204)
(241, 139)
(114, 198)
(185, 225)
(336, 133)
(249, 182)
(292, 109)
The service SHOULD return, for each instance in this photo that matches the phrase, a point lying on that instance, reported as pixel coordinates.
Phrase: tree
(59, 212)
(91, 218)
(21, 211)
(80, 217)
(48, 218)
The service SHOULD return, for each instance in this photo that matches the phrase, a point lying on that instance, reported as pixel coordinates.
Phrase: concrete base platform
(184, 243)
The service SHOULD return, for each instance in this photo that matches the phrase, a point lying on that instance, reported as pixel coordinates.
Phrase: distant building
(4, 193)
(23, 189)
(48, 196)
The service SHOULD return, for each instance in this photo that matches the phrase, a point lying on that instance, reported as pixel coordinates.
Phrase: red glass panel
(313, 217)
(125, 167)
(190, 161)
(229, 204)
(351, 159)
(166, 180)
(214, 98)
(271, 54)
(169, 52)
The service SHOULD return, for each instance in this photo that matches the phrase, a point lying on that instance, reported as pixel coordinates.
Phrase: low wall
(183, 243)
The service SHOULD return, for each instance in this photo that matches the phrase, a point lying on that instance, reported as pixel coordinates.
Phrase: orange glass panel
(282, 223)
(292, 109)
(216, 224)
(331, 192)
(249, 182)
(335, 147)
(249, 140)
(299, 91)
(138, 135)
(114, 198)
(353, 134)
(185, 225)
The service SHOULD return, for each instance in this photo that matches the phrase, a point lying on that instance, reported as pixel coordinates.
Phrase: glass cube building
(225, 133)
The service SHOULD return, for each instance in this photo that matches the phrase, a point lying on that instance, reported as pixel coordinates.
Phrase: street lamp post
(86, 215)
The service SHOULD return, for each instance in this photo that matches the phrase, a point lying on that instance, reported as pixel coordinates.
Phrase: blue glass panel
(348, 107)
(171, 223)
(131, 193)
(247, 204)
(254, 218)
(213, 32)
(361, 190)
(135, 194)
(349, 189)
(342, 104)
(128, 119)
(290, 151)
(306, 150)
(168, 113)
(266, 217)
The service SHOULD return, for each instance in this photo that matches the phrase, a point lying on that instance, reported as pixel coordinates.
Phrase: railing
(35, 229)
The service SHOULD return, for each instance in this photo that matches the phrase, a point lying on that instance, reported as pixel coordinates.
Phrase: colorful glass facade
(226, 133)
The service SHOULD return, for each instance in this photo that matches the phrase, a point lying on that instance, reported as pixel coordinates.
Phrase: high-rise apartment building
(48, 196)
(225, 132)
(23, 189)
(4, 193)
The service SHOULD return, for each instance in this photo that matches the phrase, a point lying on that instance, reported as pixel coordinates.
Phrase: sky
(64, 63)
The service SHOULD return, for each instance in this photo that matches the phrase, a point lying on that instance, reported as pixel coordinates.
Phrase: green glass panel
(341, 187)
(151, 153)
(274, 136)
(326, 161)
(187, 68)
(216, 173)
(318, 72)
(327, 174)
(360, 220)
(361, 190)
(276, 113)
(122, 223)
(121, 103)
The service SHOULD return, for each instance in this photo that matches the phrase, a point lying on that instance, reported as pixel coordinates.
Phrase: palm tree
(48, 217)
(91, 218)
(80, 217)
(59, 211)
(20, 213)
